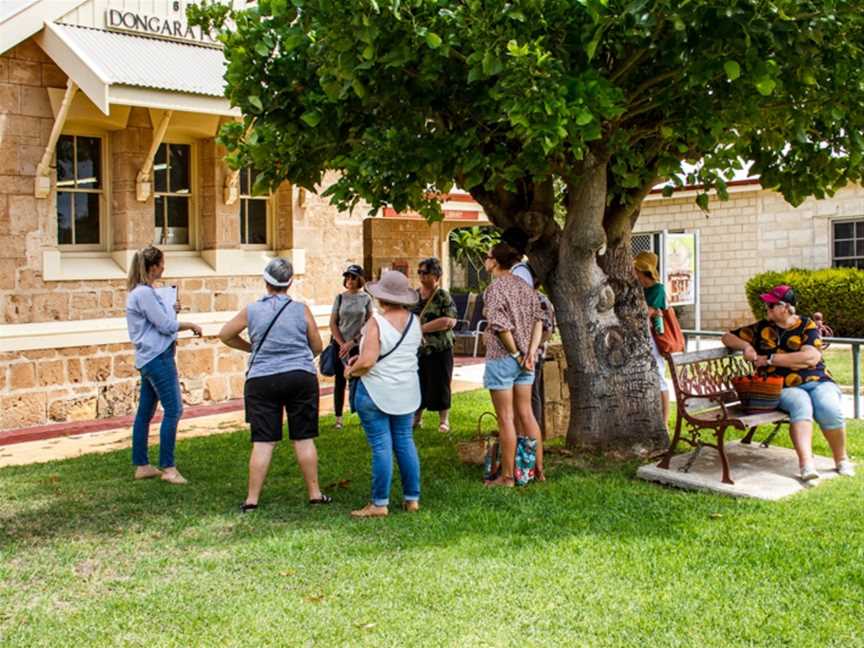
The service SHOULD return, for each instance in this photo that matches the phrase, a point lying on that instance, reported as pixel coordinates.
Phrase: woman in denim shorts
(513, 333)
(789, 345)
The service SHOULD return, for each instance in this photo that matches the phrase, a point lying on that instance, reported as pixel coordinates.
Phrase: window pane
(257, 210)
(89, 162)
(844, 263)
(843, 248)
(178, 220)
(844, 230)
(65, 161)
(179, 168)
(86, 218)
(159, 220)
(243, 239)
(64, 217)
(859, 229)
(244, 182)
(160, 169)
(859, 248)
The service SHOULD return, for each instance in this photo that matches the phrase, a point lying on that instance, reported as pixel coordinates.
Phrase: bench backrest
(707, 373)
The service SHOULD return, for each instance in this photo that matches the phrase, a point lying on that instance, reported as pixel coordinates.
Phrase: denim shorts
(822, 401)
(503, 373)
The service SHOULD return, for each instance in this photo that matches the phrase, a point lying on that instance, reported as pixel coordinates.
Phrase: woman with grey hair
(437, 314)
(283, 341)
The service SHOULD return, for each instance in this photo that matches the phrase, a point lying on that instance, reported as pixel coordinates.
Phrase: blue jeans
(159, 384)
(386, 434)
(822, 401)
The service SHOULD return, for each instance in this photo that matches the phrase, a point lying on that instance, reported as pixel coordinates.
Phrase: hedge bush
(837, 293)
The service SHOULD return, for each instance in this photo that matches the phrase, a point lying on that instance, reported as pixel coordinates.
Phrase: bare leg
(307, 457)
(502, 399)
(259, 464)
(444, 417)
(418, 418)
(837, 440)
(664, 400)
(527, 423)
(801, 434)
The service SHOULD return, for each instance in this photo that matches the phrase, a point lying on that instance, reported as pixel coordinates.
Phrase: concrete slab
(760, 473)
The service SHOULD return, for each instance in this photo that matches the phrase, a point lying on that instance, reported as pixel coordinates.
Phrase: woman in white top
(388, 392)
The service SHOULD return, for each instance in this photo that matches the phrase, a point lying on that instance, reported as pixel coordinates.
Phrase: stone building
(108, 115)
(756, 230)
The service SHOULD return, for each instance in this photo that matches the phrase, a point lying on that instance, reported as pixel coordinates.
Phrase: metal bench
(468, 333)
(707, 402)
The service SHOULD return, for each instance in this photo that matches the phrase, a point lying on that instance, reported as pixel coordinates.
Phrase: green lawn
(838, 359)
(593, 557)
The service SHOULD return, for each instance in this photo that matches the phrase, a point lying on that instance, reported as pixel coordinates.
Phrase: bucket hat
(647, 262)
(393, 288)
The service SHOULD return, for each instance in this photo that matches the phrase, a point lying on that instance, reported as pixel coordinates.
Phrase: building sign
(173, 28)
(680, 269)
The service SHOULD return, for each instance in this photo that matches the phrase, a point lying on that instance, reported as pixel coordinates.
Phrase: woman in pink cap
(789, 345)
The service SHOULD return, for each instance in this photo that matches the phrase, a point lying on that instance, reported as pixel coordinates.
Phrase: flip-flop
(444, 428)
(246, 508)
(324, 499)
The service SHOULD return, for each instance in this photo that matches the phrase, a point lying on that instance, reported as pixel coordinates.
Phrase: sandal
(370, 511)
(245, 508)
(444, 428)
(501, 482)
(324, 499)
(411, 506)
(539, 475)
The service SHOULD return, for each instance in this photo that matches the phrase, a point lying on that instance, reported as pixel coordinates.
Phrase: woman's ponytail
(142, 261)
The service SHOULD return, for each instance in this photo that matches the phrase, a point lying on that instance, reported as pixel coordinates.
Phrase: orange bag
(672, 338)
(758, 393)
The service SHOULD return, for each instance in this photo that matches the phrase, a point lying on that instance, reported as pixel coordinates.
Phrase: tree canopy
(406, 97)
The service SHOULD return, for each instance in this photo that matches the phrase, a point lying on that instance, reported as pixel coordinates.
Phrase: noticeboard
(680, 268)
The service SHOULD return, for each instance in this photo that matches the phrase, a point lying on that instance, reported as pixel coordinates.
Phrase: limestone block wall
(754, 231)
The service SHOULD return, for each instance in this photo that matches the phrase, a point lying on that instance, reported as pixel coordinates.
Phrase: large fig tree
(509, 100)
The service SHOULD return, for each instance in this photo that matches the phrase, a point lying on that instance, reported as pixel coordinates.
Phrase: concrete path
(465, 378)
(760, 473)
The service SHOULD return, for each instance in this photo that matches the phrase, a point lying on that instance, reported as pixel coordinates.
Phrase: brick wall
(754, 231)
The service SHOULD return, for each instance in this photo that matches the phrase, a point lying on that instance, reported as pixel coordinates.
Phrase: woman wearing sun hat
(283, 341)
(790, 345)
(645, 268)
(388, 391)
(349, 313)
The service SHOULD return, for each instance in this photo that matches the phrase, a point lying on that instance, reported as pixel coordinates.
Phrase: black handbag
(353, 382)
(329, 362)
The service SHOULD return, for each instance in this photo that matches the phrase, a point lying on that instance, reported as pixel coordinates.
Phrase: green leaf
(733, 70)
(311, 117)
(368, 52)
(666, 132)
(808, 77)
(359, 88)
(261, 49)
(766, 86)
(702, 201)
(255, 102)
(433, 40)
(584, 117)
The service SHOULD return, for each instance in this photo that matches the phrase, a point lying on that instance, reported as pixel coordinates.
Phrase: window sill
(94, 266)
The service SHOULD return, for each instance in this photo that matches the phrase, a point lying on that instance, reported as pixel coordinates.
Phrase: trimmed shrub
(837, 293)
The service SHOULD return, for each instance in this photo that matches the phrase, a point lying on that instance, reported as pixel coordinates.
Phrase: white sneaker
(846, 468)
(808, 472)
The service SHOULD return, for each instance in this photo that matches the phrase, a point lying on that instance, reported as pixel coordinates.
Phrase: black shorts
(266, 396)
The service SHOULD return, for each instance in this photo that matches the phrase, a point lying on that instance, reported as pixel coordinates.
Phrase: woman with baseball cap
(283, 341)
(350, 311)
(388, 392)
(790, 345)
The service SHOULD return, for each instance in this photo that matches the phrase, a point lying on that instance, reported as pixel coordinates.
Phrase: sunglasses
(770, 306)
(489, 257)
(423, 272)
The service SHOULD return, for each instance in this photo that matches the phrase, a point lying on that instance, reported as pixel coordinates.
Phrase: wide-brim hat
(777, 294)
(647, 262)
(393, 288)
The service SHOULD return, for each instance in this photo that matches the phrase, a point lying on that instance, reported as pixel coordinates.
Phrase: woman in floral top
(790, 346)
(437, 314)
(513, 333)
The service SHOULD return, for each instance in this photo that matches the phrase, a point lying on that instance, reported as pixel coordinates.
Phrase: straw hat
(647, 262)
(393, 288)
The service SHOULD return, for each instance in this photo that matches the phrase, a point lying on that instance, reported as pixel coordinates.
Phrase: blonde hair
(142, 261)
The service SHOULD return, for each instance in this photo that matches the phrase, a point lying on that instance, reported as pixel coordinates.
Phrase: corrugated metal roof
(126, 59)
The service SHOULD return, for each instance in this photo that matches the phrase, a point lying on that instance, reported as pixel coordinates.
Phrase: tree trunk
(614, 386)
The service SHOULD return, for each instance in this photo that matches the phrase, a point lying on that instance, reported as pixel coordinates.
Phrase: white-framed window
(81, 204)
(848, 243)
(172, 182)
(254, 221)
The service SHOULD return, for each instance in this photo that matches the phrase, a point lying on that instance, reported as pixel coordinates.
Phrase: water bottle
(657, 320)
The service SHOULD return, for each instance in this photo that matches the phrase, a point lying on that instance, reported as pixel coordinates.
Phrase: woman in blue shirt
(153, 329)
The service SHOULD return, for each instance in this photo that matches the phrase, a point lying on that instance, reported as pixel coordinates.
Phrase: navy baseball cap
(353, 270)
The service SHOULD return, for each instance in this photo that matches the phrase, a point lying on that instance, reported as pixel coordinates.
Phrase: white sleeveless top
(393, 383)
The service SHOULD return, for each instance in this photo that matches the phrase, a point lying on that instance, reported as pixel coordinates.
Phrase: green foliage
(404, 97)
(471, 244)
(837, 293)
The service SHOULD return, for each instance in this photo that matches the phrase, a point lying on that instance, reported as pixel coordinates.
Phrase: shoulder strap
(428, 303)
(266, 332)
(404, 333)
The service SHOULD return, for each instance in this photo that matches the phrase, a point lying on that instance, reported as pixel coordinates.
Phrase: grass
(592, 557)
(838, 359)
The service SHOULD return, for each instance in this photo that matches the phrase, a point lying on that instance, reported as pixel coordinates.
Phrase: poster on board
(680, 269)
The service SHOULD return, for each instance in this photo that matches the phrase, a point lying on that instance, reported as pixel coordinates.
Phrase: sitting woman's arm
(370, 349)
(230, 333)
(807, 358)
(737, 344)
